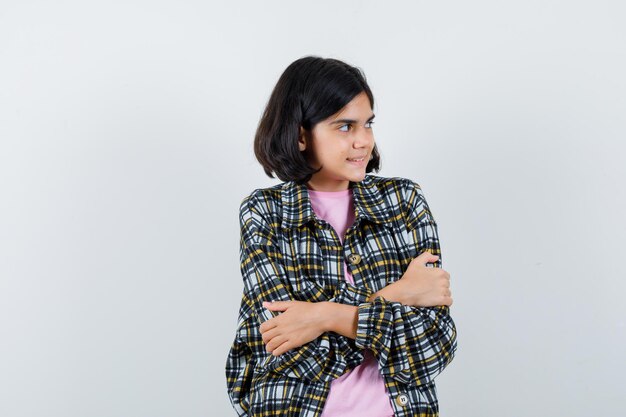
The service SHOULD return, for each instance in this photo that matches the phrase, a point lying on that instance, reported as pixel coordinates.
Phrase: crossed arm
(411, 342)
(302, 321)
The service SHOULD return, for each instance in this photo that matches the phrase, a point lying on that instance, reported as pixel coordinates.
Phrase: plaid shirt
(288, 253)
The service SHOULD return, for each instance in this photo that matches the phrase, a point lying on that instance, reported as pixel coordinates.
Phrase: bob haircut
(311, 89)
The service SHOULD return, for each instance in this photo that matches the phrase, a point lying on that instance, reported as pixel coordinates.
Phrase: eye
(368, 125)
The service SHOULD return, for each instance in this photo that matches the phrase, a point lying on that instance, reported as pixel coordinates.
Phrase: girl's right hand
(423, 286)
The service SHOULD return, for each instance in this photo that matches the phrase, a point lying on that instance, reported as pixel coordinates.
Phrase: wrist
(389, 293)
(339, 318)
(327, 309)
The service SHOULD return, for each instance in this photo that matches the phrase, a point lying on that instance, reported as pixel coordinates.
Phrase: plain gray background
(126, 147)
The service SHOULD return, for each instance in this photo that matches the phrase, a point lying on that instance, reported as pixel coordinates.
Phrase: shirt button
(354, 258)
(402, 400)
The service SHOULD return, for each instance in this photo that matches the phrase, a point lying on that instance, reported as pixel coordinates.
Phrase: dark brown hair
(310, 90)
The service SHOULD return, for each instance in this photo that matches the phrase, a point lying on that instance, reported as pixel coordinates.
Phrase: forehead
(358, 109)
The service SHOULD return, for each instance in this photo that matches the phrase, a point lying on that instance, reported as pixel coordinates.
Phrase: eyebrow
(351, 120)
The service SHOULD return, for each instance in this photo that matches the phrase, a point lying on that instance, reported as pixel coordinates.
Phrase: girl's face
(333, 142)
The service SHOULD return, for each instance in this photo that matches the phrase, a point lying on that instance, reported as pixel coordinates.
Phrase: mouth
(357, 161)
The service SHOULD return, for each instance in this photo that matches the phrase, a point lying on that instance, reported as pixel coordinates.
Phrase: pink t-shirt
(360, 391)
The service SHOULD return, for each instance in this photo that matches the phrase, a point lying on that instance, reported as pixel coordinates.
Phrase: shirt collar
(368, 203)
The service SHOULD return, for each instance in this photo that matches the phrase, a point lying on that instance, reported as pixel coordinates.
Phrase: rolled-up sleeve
(412, 344)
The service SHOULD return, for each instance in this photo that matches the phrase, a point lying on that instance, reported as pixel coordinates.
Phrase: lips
(358, 162)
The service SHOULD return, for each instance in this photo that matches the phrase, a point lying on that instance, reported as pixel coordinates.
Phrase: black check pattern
(288, 253)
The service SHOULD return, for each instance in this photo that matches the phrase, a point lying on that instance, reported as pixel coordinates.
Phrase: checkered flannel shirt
(288, 253)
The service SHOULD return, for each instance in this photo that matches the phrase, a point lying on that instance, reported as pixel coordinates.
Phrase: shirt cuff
(371, 317)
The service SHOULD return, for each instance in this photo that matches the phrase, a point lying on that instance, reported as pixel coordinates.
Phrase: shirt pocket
(304, 267)
(384, 258)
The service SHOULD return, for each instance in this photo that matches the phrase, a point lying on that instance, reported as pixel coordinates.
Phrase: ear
(302, 139)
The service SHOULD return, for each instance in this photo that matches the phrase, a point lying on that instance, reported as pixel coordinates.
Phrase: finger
(268, 325)
(275, 342)
(270, 334)
(282, 348)
(426, 257)
(276, 305)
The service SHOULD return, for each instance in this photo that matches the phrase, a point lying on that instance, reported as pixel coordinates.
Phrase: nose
(363, 138)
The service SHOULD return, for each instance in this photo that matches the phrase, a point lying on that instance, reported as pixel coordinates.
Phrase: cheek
(335, 154)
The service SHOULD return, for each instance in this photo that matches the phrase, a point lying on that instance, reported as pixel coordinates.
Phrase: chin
(357, 177)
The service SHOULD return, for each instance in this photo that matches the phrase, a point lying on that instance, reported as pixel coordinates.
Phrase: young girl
(340, 314)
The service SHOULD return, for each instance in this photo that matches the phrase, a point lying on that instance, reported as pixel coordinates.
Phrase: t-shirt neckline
(338, 194)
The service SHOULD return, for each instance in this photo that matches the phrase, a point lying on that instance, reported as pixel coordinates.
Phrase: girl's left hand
(300, 323)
